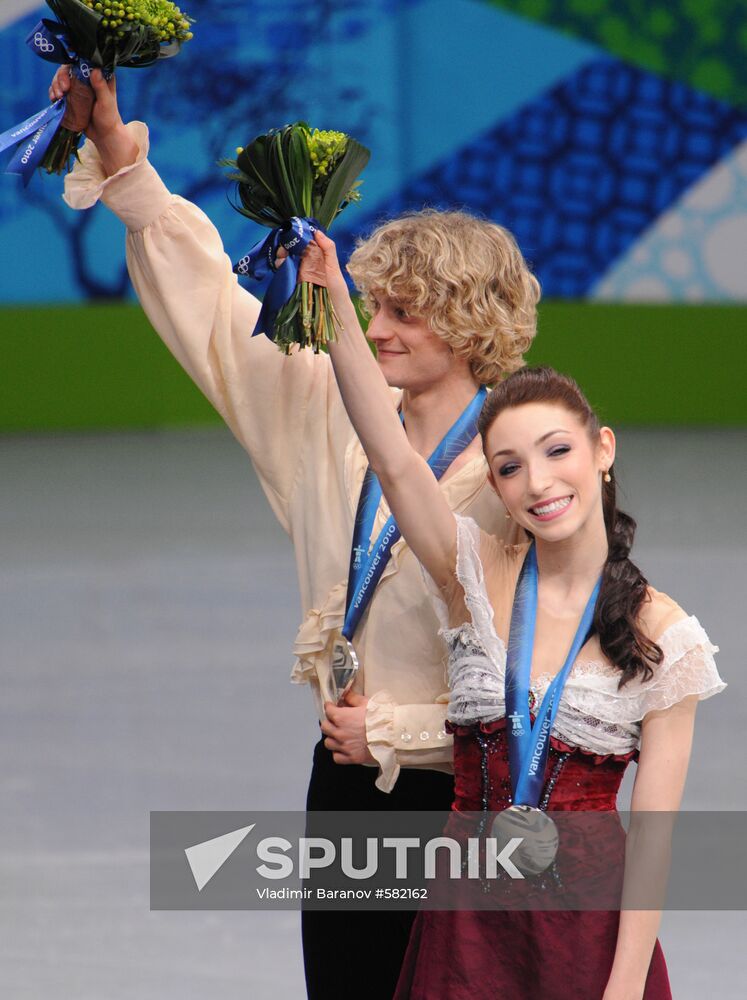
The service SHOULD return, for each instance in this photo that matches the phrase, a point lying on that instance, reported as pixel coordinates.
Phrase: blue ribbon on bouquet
(48, 41)
(293, 236)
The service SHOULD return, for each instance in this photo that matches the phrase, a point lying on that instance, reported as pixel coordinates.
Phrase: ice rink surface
(148, 609)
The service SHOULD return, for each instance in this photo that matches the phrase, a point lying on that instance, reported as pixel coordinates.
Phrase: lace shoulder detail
(597, 715)
(688, 668)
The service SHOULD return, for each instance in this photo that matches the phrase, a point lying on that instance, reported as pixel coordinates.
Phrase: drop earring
(607, 477)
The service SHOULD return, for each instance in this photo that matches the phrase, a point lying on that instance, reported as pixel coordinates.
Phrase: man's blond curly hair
(465, 276)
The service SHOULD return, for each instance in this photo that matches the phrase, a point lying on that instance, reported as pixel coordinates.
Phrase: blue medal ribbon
(368, 562)
(294, 236)
(48, 41)
(529, 745)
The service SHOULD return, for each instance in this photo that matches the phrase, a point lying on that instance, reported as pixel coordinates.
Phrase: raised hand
(106, 128)
(336, 285)
(334, 278)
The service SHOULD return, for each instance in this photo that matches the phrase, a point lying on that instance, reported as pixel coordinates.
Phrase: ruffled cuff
(380, 737)
(313, 645)
(135, 193)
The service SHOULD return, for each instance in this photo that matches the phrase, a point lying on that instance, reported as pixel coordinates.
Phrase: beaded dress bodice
(574, 779)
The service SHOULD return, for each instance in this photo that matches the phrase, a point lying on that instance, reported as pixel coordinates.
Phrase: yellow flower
(163, 17)
(325, 148)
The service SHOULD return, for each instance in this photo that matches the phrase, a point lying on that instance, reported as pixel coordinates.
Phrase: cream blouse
(288, 415)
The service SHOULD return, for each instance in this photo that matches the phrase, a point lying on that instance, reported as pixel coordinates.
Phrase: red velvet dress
(531, 954)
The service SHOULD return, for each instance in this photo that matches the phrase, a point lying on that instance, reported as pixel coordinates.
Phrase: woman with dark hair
(636, 665)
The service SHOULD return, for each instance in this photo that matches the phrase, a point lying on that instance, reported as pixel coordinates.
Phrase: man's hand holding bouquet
(88, 35)
(294, 180)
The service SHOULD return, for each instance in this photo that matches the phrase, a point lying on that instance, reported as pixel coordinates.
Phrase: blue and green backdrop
(609, 135)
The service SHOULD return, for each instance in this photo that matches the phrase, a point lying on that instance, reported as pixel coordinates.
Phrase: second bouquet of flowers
(295, 180)
(89, 34)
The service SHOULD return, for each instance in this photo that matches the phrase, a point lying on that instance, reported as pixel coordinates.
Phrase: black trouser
(359, 953)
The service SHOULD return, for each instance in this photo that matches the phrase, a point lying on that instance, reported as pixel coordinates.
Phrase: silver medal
(538, 834)
(344, 667)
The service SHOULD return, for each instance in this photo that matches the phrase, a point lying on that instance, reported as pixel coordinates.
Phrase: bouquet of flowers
(295, 180)
(89, 34)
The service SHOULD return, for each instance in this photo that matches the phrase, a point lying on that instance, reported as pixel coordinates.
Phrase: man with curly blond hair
(452, 306)
(464, 277)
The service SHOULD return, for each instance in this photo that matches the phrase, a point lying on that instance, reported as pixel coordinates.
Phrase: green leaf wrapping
(353, 161)
(83, 24)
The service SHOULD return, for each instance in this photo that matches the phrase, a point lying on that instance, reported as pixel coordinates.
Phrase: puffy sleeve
(598, 714)
(273, 404)
(688, 667)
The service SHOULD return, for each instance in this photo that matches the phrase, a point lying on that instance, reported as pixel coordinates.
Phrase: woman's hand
(334, 278)
(336, 284)
(106, 130)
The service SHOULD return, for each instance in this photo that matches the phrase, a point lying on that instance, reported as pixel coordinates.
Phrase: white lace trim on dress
(593, 713)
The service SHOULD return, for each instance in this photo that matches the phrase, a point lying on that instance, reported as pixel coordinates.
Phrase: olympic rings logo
(243, 265)
(84, 69)
(42, 43)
